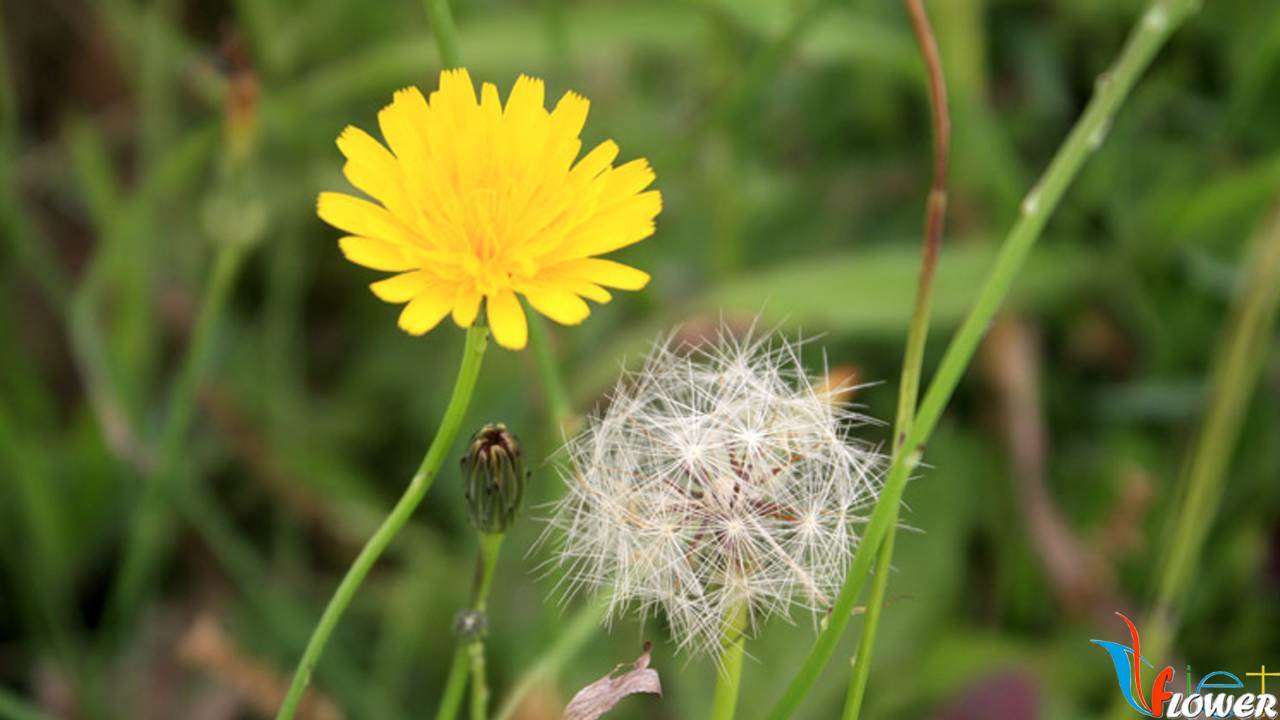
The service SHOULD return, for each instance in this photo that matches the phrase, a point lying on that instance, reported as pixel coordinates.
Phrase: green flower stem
(553, 15)
(446, 33)
(472, 649)
(566, 645)
(867, 640)
(917, 335)
(552, 385)
(490, 546)
(150, 525)
(729, 677)
(1153, 29)
(472, 355)
(456, 684)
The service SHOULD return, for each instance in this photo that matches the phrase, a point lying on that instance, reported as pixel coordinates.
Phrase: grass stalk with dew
(1156, 24)
(468, 371)
(917, 335)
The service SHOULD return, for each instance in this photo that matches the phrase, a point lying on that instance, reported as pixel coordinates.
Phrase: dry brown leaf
(602, 695)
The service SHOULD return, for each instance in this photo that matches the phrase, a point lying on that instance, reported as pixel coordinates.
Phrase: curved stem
(1157, 23)
(472, 354)
(730, 676)
(917, 335)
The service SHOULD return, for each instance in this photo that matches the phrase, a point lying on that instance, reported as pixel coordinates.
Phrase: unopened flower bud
(494, 477)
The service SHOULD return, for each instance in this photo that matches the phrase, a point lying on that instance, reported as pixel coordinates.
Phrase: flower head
(493, 478)
(717, 478)
(477, 201)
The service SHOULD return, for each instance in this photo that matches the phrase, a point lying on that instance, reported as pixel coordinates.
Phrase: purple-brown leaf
(602, 695)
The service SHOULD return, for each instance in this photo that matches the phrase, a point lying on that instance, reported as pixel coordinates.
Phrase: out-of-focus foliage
(796, 194)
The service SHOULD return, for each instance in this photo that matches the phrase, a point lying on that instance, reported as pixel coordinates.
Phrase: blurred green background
(791, 144)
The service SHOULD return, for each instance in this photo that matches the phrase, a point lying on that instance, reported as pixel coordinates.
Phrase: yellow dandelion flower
(477, 201)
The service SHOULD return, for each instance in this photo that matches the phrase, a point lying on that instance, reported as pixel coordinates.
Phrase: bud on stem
(494, 478)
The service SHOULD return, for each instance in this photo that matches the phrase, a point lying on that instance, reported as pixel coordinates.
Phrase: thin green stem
(729, 678)
(445, 32)
(471, 647)
(456, 684)
(479, 686)
(148, 527)
(548, 373)
(553, 17)
(490, 546)
(566, 645)
(917, 335)
(454, 414)
(1153, 29)
(870, 625)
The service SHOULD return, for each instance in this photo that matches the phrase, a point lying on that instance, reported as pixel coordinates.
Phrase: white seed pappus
(717, 476)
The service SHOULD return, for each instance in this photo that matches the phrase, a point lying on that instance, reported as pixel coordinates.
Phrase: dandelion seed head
(717, 476)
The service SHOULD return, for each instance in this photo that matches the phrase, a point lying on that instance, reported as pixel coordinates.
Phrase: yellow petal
(359, 146)
(628, 179)
(397, 122)
(588, 290)
(386, 189)
(570, 115)
(357, 216)
(374, 170)
(506, 318)
(426, 309)
(403, 287)
(630, 223)
(527, 99)
(365, 219)
(456, 98)
(377, 254)
(596, 161)
(466, 306)
(606, 272)
(557, 303)
(561, 133)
